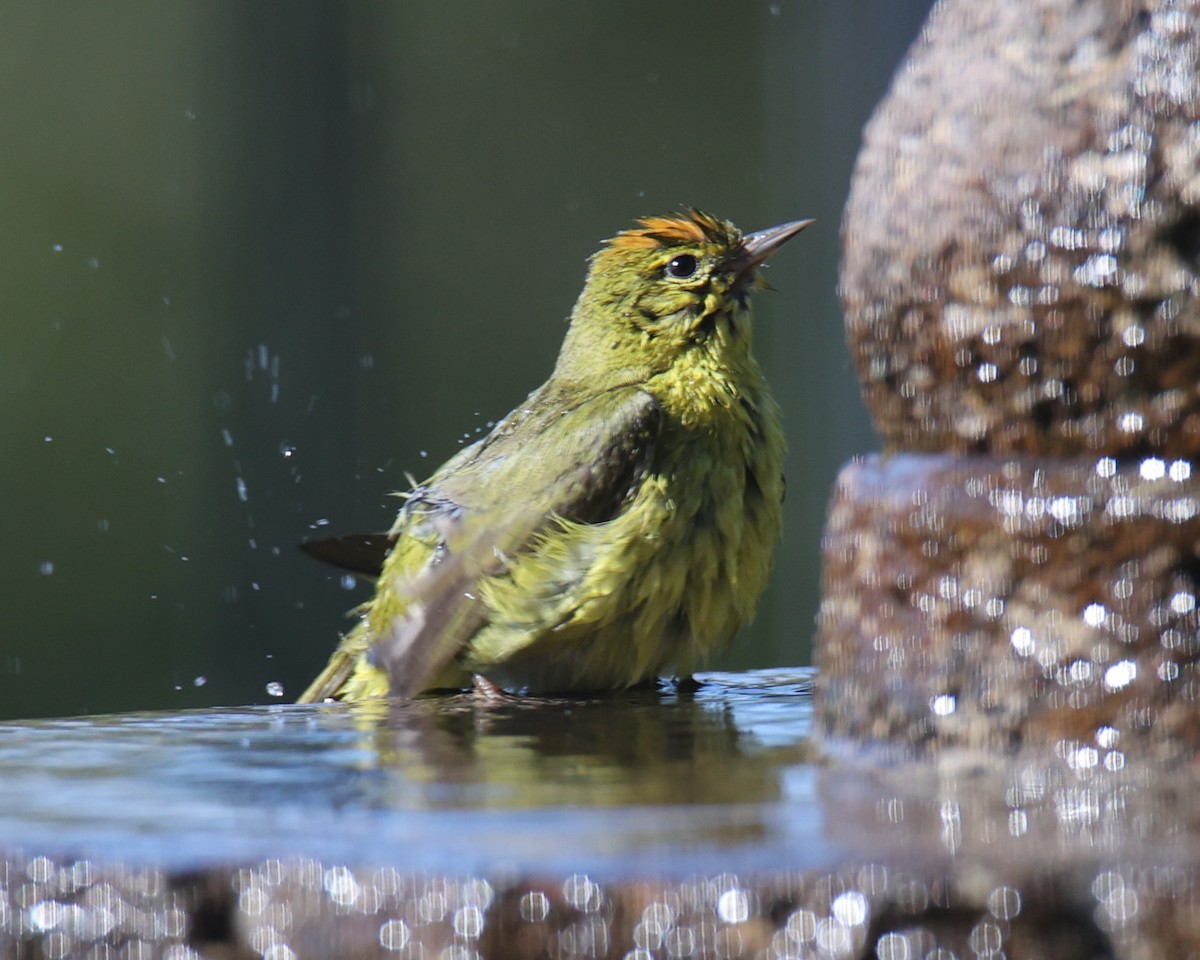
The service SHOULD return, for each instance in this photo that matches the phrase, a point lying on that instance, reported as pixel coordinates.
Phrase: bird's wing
(549, 462)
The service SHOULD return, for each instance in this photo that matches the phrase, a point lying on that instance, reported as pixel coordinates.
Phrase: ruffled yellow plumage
(619, 523)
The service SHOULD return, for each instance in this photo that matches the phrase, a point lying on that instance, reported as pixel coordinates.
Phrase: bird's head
(664, 287)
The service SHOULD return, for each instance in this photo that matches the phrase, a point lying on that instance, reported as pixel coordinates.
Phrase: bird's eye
(682, 267)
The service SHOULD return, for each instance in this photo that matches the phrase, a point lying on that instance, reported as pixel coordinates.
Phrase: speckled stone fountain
(1020, 277)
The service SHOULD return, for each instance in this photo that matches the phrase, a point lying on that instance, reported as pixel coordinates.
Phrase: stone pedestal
(980, 601)
(1020, 283)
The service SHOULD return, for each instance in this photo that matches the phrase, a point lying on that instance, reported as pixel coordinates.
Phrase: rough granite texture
(1023, 233)
(984, 602)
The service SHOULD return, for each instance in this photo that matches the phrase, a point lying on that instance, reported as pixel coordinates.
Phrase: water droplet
(348, 581)
(1068, 238)
(1084, 758)
(243, 495)
(1022, 641)
(1183, 602)
(199, 681)
(1152, 468)
(850, 908)
(1120, 674)
(287, 449)
(394, 935)
(46, 567)
(1065, 510)
(733, 906)
(94, 263)
(1130, 422)
(57, 248)
(1133, 335)
(1020, 296)
(1110, 239)
(275, 688)
(1098, 270)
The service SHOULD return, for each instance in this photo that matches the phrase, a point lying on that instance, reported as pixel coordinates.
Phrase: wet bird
(620, 522)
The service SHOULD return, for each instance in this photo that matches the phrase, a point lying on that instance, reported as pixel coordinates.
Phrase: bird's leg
(488, 693)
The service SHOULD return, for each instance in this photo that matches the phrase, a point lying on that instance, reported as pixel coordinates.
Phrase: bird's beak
(758, 246)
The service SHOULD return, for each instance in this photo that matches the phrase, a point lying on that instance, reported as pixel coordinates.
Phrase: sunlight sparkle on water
(1152, 468)
(1120, 674)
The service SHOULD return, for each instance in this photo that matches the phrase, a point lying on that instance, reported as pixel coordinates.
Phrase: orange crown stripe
(690, 227)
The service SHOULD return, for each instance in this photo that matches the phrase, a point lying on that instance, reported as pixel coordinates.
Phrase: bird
(619, 523)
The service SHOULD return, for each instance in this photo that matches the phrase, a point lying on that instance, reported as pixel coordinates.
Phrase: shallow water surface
(668, 781)
(674, 823)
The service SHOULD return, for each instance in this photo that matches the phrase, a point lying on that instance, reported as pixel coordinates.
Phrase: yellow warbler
(621, 521)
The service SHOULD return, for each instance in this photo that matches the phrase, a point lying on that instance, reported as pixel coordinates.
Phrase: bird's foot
(489, 694)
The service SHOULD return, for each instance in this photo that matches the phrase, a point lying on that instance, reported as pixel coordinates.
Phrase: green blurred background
(258, 259)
